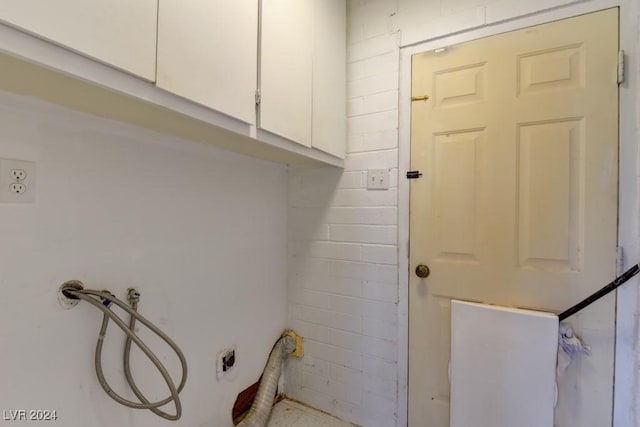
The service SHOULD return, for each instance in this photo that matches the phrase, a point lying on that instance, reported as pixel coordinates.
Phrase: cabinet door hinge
(258, 97)
(621, 64)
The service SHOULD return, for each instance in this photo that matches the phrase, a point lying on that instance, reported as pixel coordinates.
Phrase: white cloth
(569, 346)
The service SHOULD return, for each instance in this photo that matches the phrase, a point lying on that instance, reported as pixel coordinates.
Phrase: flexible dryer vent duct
(290, 344)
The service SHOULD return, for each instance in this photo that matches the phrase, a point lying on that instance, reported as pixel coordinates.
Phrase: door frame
(626, 394)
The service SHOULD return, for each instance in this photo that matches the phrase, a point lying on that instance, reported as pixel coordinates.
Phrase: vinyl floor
(288, 413)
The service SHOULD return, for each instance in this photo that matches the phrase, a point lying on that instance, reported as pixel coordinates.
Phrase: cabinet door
(329, 77)
(286, 68)
(207, 52)
(121, 33)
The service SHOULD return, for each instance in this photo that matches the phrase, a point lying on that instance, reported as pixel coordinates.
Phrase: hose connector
(107, 298)
(133, 296)
(68, 294)
(69, 289)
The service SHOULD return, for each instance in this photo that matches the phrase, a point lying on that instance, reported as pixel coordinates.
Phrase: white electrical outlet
(17, 181)
(17, 188)
(18, 174)
(378, 179)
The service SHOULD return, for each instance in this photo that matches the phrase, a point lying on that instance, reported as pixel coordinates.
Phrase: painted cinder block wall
(346, 292)
(343, 265)
(201, 232)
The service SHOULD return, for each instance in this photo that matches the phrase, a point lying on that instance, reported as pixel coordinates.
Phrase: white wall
(343, 274)
(199, 231)
(343, 295)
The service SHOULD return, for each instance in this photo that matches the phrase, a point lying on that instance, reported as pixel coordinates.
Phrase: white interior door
(517, 205)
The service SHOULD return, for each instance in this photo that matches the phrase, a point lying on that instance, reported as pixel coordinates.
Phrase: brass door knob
(422, 271)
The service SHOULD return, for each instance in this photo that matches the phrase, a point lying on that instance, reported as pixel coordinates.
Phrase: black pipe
(618, 281)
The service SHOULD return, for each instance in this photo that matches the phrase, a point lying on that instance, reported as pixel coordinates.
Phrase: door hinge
(621, 64)
(420, 98)
(619, 260)
(413, 174)
(258, 97)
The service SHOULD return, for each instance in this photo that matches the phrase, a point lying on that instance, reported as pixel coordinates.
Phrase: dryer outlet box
(225, 362)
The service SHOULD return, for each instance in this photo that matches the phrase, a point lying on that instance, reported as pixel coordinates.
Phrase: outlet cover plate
(377, 179)
(17, 181)
(221, 371)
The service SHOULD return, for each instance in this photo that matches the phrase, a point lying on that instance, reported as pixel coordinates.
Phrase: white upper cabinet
(121, 33)
(303, 72)
(329, 124)
(207, 53)
(261, 77)
(286, 69)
